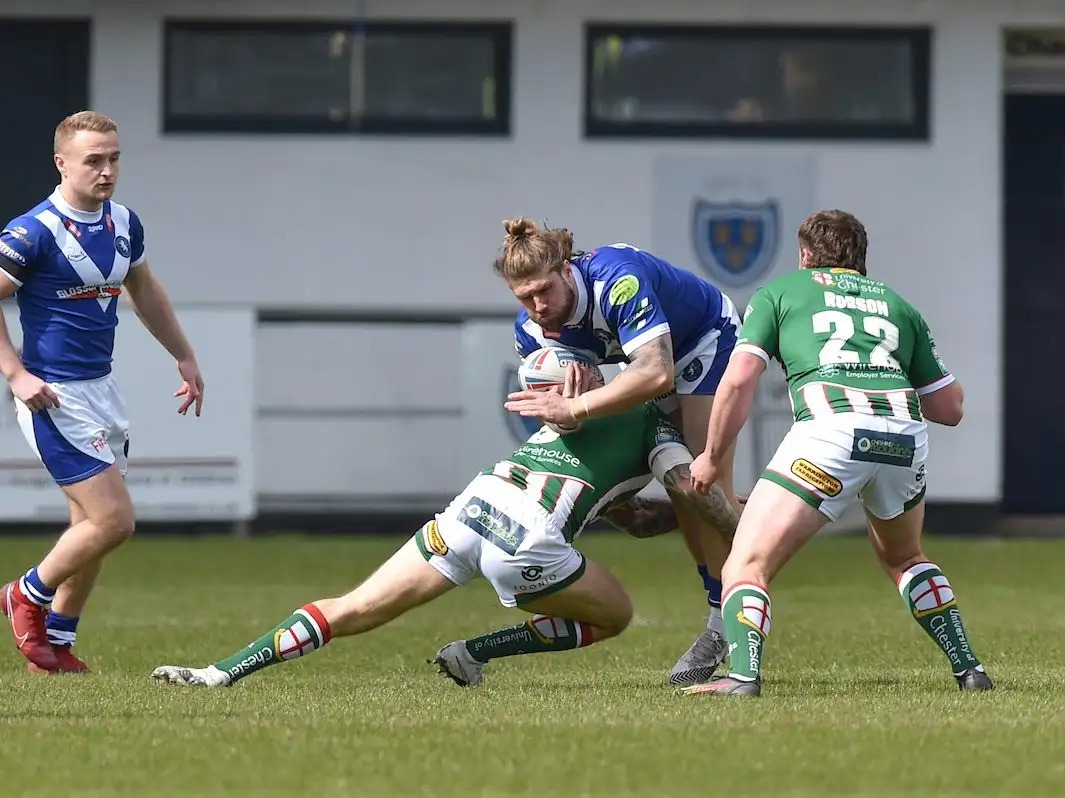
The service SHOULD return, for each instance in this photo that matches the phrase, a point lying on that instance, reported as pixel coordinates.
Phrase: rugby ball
(546, 368)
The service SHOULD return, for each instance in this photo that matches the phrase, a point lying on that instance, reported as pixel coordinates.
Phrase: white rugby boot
(703, 657)
(192, 677)
(455, 661)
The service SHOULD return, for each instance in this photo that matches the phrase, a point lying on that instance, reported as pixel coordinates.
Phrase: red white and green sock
(304, 631)
(747, 612)
(930, 599)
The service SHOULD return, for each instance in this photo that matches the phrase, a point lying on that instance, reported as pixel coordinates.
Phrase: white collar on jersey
(71, 212)
(580, 307)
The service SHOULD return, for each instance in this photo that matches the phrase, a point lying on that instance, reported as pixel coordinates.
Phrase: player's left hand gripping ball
(548, 406)
(191, 388)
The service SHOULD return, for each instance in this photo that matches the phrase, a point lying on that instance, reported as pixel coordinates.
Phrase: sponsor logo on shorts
(493, 525)
(816, 476)
(623, 290)
(535, 579)
(692, 371)
(873, 446)
(434, 541)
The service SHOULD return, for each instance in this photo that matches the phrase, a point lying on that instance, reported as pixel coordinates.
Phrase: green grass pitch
(857, 701)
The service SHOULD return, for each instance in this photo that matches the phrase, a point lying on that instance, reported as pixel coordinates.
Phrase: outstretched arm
(153, 308)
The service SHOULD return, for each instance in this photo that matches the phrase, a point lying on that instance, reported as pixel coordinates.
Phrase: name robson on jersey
(97, 291)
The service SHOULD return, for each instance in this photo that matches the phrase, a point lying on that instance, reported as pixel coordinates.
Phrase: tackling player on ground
(67, 261)
(676, 332)
(864, 378)
(515, 524)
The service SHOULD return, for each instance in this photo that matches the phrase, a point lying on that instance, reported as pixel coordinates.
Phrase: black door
(54, 56)
(1034, 393)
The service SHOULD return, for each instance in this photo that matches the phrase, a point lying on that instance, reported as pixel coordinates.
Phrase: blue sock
(62, 631)
(713, 588)
(35, 590)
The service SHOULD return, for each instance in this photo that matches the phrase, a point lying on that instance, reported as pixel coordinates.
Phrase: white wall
(364, 222)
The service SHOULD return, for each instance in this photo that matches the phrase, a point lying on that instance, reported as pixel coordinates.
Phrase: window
(337, 77)
(744, 82)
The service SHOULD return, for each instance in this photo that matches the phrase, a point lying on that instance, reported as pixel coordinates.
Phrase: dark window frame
(919, 38)
(500, 33)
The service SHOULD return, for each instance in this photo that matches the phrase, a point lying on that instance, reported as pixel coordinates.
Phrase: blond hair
(529, 250)
(82, 120)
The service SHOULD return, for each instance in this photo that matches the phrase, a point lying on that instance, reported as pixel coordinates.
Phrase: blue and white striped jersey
(69, 266)
(625, 298)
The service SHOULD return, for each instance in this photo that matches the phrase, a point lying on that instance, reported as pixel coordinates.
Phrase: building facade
(277, 162)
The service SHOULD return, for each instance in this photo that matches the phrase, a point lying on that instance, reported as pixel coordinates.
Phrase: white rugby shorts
(830, 461)
(88, 432)
(493, 528)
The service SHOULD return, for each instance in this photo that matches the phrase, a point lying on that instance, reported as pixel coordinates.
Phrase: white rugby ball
(546, 368)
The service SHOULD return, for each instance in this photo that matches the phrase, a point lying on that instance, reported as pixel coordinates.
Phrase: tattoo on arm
(654, 355)
(714, 509)
(643, 518)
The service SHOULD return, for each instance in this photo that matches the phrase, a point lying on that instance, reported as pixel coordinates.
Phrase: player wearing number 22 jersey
(515, 524)
(864, 378)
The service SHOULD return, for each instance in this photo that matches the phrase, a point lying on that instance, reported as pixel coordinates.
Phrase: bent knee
(745, 566)
(618, 620)
(898, 564)
(118, 524)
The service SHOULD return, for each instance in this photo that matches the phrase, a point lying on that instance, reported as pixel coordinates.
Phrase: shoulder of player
(607, 262)
(26, 225)
(123, 212)
(29, 232)
(617, 281)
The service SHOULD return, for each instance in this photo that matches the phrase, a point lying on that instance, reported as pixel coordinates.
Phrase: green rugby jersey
(578, 475)
(848, 344)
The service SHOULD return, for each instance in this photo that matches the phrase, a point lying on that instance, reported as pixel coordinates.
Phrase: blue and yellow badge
(736, 243)
(521, 427)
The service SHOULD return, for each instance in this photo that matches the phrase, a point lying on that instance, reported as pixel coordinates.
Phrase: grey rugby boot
(699, 662)
(455, 661)
(972, 680)
(726, 686)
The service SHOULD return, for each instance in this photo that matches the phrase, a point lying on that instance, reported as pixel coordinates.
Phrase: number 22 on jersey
(840, 327)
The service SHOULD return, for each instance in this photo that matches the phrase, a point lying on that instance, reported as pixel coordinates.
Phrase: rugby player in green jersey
(515, 524)
(864, 378)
